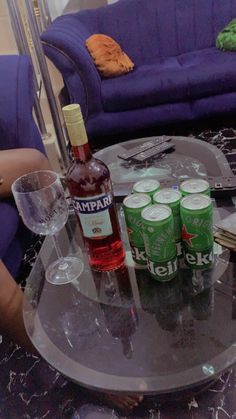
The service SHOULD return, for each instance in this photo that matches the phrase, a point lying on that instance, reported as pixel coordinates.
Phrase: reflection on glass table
(191, 158)
(124, 332)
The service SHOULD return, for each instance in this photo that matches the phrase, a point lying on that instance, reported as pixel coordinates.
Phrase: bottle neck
(76, 132)
(81, 152)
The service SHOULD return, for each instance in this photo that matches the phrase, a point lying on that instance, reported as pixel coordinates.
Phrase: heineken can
(133, 205)
(172, 197)
(147, 186)
(192, 186)
(158, 235)
(196, 213)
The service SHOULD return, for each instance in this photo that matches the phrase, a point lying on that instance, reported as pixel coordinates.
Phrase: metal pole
(44, 13)
(23, 48)
(47, 83)
(37, 15)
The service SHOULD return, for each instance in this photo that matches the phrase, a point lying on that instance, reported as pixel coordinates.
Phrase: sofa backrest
(148, 29)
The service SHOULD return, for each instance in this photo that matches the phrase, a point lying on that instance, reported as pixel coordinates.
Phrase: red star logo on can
(186, 236)
(129, 230)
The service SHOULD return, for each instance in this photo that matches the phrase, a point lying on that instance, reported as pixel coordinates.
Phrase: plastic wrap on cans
(197, 230)
(147, 186)
(192, 186)
(133, 205)
(172, 198)
(160, 248)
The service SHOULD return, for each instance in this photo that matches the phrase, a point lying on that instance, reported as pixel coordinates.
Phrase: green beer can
(160, 248)
(133, 205)
(147, 186)
(192, 186)
(171, 197)
(196, 213)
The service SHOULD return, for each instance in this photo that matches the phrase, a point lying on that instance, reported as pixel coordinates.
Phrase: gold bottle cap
(75, 124)
(72, 113)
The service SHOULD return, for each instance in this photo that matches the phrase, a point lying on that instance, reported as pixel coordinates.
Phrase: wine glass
(42, 204)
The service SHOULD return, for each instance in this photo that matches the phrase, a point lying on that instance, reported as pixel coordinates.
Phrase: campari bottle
(90, 188)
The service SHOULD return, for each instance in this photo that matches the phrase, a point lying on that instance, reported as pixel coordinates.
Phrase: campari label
(94, 216)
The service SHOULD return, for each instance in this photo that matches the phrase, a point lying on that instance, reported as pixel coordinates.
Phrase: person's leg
(15, 163)
(11, 313)
(123, 402)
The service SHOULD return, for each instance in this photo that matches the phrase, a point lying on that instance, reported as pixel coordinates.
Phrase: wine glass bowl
(42, 204)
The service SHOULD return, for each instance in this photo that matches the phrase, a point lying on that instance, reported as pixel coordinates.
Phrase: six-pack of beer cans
(167, 224)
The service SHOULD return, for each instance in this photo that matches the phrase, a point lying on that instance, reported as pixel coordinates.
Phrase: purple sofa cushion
(10, 222)
(185, 77)
(13, 257)
(17, 125)
(14, 237)
(17, 129)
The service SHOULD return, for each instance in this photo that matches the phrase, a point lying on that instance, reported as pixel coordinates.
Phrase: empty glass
(42, 204)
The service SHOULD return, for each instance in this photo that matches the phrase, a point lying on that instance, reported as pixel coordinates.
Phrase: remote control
(145, 146)
(147, 154)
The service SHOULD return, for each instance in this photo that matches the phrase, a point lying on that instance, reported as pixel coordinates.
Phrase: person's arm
(11, 310)
(16, 162)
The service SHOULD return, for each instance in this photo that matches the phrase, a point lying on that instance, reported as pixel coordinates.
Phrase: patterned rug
(225, 140)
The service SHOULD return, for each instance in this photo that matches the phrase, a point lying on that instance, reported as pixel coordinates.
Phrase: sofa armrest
(18, 128)
(64, 44)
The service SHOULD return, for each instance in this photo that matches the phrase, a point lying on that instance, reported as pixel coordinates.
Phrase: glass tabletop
(122, 331)
(190, 158)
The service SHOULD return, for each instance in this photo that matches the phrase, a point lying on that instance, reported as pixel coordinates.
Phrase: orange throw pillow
(108, 56)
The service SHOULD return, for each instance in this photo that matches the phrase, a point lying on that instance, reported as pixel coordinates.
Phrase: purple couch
(179, 75)
(17, 129)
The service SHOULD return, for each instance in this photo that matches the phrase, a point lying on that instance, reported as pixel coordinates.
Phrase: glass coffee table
(191, 158)
(122, 331)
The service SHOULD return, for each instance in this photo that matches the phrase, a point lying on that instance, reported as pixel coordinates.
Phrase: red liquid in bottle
(87, 178)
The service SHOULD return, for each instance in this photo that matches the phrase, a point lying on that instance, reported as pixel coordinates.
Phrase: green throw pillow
(226, 39)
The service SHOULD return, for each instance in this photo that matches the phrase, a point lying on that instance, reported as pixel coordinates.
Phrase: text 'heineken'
(193, 186)
(158, 235)
(133, 205)
(197, 230)
(147, 186)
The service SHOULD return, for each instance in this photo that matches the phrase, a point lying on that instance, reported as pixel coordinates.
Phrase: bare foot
(122, 402)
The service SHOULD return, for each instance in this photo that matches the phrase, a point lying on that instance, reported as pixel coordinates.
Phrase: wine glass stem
(63, 264)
